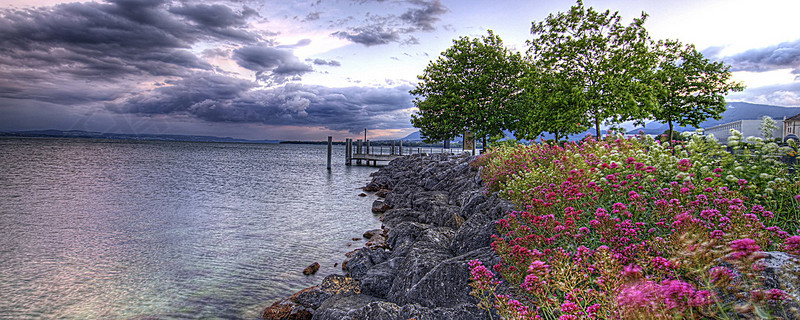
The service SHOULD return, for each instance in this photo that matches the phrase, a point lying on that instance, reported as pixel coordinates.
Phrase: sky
(304, 70)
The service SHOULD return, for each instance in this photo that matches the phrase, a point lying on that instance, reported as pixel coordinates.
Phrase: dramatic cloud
(272, 65)
(218, 98)
(115, 39)
(385, 29)
(778, 95)
(783, 56)
(370, 35)
(323, 62)
(425, 17)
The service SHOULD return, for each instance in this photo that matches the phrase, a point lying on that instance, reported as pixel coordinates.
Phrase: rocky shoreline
(437, 218)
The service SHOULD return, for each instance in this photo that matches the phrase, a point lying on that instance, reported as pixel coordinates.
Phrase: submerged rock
(312, 269)
(380, 207)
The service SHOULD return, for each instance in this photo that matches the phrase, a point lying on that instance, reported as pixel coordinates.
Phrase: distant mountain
(125, 136)
(736, 111)
(416, 136)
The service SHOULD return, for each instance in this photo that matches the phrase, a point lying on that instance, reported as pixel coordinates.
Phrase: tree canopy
(583, 68)
(690, 88)
(608, 62)
(468, 88)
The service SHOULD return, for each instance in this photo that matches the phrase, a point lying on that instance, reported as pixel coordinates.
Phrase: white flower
(755, 140)
(731, 178)
(768, 190)
(765, 176)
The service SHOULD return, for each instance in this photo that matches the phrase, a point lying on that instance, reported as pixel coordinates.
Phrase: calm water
(94, 229)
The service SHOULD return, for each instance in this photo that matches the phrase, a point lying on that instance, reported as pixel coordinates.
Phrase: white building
(748, 128)
(791, 126)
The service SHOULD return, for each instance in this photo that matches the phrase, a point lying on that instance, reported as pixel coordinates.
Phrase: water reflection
(108, 229)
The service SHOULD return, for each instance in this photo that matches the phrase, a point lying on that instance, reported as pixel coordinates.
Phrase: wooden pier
(365, 154)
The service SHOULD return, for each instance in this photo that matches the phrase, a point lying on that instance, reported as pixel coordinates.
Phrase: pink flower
(591, 310)
(569, 307)
(777, 295)
(702, 298)
(743, 248)
(661, 263)
(482, 276)
(632, 272)
(677, 293)
(792, 245)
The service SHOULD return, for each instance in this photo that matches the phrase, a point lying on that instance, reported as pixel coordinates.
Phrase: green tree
(767, 128)
(548, 102)
(690, 88)
(610, 63)
(468, 88)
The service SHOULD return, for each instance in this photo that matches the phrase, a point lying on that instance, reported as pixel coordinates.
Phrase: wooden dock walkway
(365, 154)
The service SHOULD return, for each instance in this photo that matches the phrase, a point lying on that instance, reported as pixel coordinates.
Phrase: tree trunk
(669, 121)
(597, 128)
(484, 145)
(557, 136)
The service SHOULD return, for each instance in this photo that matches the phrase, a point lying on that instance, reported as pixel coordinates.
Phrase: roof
(794, 118)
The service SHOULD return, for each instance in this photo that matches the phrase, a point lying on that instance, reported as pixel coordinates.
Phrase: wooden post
(392, 152)
(367, 151)
(359, 147)
(348, 151)
(401, 147)
(330, 146)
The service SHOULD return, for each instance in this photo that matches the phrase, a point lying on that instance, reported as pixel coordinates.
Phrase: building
(748, 128)
(791, 127)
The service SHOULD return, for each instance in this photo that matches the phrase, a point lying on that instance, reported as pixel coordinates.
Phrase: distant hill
(736, 111)
(417, 137)
(124, 136)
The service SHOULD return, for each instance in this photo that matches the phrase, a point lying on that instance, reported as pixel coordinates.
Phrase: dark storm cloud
(424, 18)
(273, 65)
(783, 56)
(217, 98)
(180, 95)
(218, 20)
(323, 62)
(370, 35)
(115, 39)
(379, 30)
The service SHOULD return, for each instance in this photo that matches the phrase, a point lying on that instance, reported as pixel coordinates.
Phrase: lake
(107, 229)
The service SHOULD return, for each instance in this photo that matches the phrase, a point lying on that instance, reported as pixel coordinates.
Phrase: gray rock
(438, 219)
(361, 260)
(377, 281)
(343, 306)
(380, 206)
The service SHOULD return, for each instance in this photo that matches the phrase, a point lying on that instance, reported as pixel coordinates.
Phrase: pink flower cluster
(610, 225)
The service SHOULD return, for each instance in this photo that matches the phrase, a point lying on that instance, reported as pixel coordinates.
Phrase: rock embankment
(437, 218)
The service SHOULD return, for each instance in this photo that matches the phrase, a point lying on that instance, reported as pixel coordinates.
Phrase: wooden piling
(359, 148)
(330, 146)
(348, 152)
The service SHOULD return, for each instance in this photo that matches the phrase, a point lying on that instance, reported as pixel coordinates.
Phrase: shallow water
(169, 230)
